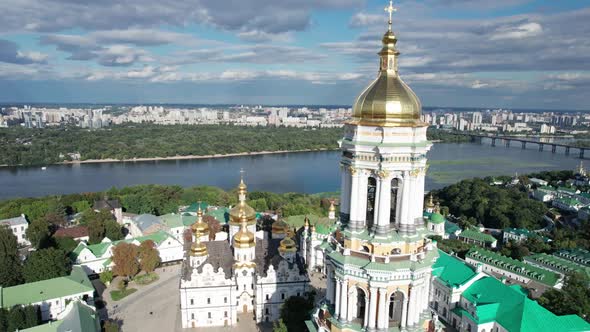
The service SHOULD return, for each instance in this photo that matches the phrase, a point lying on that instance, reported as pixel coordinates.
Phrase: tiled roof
(73, 232)
(106, 204)
(144, 221)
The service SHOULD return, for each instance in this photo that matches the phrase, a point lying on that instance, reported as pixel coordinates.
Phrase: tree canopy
(46, 264)
(10, 266)
(148, 256)
(492, 206)
(125, 259)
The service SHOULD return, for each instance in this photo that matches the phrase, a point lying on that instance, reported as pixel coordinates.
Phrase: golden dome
(198, 248)
(332, 207)
(200, 227)
(306, 221)
(287, 245)
(388, 101)
(242, 207)
(280, 227)
(244, 238)
(430, 203)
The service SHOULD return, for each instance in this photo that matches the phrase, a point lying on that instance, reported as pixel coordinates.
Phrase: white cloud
(522, 31)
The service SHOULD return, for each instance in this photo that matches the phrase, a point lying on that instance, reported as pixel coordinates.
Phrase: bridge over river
(507, 140)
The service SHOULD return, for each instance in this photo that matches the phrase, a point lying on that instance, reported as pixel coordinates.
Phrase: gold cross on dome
(390, 9)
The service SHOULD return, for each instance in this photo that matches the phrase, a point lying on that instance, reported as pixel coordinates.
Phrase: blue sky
(479, 53)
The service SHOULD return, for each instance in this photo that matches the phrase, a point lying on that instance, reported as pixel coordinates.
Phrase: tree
(19, 318)
(279, 326)
(65, 243)
(106, 276)
(46, 264)
(149, 257)
(100, 225)
(574, 297)
(10, 265)
(54, 220)
(39, 233)
(295, 311)
(110, 326)
(80, 206)
(214, 226)
(125, 260)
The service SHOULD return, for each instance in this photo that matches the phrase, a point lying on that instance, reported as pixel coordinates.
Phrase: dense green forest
(158, 200)
(22, 146)
(477, 201)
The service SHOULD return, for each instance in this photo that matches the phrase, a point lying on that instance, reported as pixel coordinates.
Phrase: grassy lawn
(116, 295)
(146, 279)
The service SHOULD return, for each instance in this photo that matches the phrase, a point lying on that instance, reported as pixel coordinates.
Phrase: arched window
(371, 191)
(393, 206)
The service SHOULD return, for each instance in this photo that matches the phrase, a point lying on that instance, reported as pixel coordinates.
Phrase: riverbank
(211, 156)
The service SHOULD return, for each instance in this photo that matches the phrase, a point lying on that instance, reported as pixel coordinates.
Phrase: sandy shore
(92, 161)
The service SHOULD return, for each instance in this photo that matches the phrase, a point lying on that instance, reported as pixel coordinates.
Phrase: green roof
(512, 309)
(546, 188)
(477, 236)
(100, 248)
(221, 214)
(578, 255)
(585, 195)
(515, 266)
(172, 220)
(451, 228)
(39, 291)
(452, 271)
(323, 225)
(558, 263)
(437, 218)
(79, 318)
(567, 190)
(569, 201)
(195, 207)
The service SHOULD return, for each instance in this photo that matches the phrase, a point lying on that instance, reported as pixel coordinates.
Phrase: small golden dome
(280, 227)
(332, 207)
(287, 245)
(430, 203)
(198, 248)
(244, 238)
(242, 208)
(306, 222)
(388, 101)
(200, 227)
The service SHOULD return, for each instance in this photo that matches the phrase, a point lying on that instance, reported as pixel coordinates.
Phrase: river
(307, 172)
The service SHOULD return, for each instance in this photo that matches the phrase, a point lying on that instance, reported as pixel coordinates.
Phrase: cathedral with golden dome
(253, 272)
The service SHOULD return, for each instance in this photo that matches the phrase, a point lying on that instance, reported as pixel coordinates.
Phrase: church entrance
(396, 304)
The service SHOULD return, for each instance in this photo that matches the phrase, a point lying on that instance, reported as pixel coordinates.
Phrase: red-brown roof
(74, 232)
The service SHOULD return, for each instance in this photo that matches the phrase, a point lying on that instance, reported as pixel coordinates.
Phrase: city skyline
(517, 54)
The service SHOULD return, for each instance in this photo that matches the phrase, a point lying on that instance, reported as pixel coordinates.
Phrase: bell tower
(379, 263)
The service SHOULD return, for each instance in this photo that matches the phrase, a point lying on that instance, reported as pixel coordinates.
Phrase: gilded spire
(390, 9)
(200, 226)
(244, 238)
(242, 207)
(388, 101)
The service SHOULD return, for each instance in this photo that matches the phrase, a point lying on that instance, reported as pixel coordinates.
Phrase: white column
(345, 190)
(330, 288)
(412, 306)
(362, 197)
(384, 205)
(373, 307)
(405, 312)
(352, 299)
(376, 208)
(344, 300)
(354, 200)
(382, 320)
(366, 320)
(337, 299)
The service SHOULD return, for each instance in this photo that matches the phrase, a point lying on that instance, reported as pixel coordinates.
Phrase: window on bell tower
(371, 191)
(394, 192)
